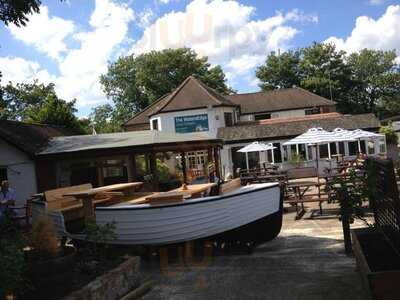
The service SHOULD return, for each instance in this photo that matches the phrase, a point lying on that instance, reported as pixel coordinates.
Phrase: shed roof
(277, 100)
(287, 128)
(131, 139)
(27, 137)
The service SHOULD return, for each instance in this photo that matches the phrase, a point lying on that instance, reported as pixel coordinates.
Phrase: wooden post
(88, 207)
(183, 163)
(153, 170)
(100, 174)
(216, 162)
(209, 159)
(131, 167)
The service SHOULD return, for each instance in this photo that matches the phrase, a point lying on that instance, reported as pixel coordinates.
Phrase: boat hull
(251, 214)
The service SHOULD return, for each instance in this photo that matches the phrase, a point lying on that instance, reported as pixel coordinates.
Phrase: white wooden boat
(250, 213)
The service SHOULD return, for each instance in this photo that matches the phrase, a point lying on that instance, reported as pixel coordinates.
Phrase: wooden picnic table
(87, 195)
(299, 189)
(107, 188)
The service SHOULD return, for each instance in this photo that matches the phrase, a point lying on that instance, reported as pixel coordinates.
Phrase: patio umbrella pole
(247, 161)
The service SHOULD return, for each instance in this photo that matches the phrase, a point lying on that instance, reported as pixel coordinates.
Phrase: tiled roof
(287, 128)
(277, 100)
(29, 138)
(191, 94)
(143, 116)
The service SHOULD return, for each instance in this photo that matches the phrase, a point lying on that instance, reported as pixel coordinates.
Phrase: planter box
(112, 285)
(378, 264)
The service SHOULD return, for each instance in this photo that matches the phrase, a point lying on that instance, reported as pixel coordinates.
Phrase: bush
(12, 270)
(44, 239)
(391, 135)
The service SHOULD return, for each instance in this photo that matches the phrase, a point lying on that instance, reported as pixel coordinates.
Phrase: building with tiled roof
(19, 144)
(271, 116)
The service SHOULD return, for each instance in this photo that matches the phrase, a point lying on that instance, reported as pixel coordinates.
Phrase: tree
(17, 99)
(39, 103)
(102, 119)
(366, 81)
(323, 71)
(376, 80)
(134, 82)
(16, 11)
(55, 111)
(280, 71)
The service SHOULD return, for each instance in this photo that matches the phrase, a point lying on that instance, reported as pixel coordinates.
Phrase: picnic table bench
(300, 189)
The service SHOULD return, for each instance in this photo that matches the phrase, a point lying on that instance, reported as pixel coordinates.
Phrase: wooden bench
(70, 206)
(314, 198)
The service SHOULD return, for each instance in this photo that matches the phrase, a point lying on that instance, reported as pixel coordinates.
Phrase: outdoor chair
(21, 213)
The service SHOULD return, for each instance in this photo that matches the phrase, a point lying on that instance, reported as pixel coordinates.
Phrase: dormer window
(154, 124)
(228, 116)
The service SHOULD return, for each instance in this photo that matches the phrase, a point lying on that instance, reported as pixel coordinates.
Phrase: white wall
(278, 114)
(215, 118)
(20, 171)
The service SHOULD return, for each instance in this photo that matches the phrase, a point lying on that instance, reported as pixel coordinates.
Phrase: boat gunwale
(187, 202)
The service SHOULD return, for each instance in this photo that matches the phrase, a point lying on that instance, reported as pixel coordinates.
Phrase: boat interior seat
(230, 185)
(56, 200)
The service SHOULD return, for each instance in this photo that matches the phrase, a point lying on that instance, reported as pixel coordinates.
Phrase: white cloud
(82, 67)
(79, 68)
(17, 69)
(382, 33)
(46, 34)
(146, 17)
(224, 31)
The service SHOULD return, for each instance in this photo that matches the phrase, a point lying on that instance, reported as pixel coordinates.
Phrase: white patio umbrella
(254, 147)
(318, 136)
(357, 135)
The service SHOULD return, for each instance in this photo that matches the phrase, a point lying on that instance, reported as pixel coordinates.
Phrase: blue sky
(70, 43)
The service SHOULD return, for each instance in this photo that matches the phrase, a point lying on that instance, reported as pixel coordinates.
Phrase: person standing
(7, 197)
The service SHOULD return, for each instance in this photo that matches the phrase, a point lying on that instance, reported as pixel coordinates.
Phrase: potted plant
(50, 265)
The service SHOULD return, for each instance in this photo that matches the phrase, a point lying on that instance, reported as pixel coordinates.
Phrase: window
(323, 151)
(285, 153)
(353, 148)
(155, 124)
(382, 146)
(228, 119)
(302, 151)
(3, 174)
(312, 111)
(333, 148)
(363, 147)
(262, 117)
(370, 147)
(277, 152)
(310, 149)
(341, 148)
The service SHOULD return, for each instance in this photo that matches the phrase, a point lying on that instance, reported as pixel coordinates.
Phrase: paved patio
(306, 261)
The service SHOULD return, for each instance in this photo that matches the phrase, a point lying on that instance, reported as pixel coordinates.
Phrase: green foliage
(350, 192)
(103, 120)
(365, 81)
(163, 173)
(39, 103)
(296, 159)
(97, 237)
(13, 267)
(134, 82)
(280, 71)
(16, 11)
(390, 134)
